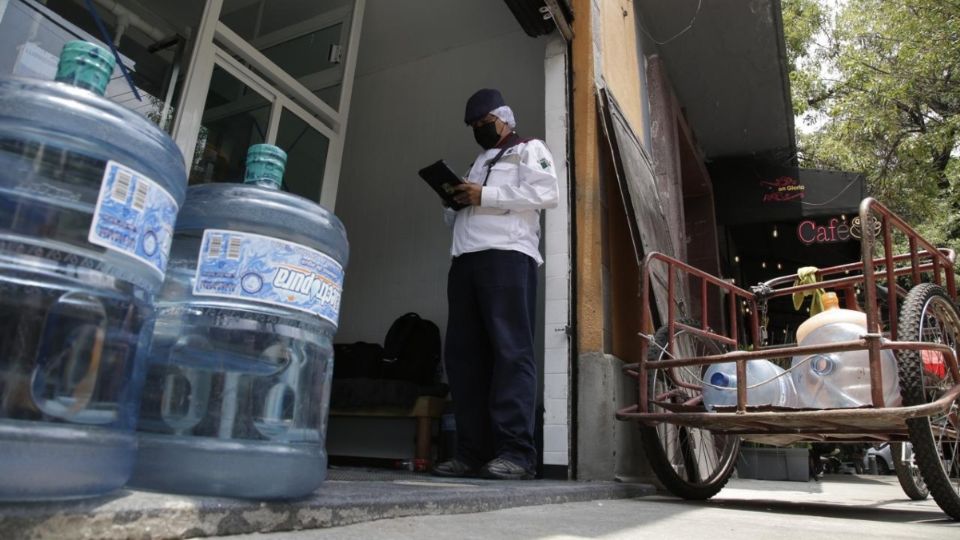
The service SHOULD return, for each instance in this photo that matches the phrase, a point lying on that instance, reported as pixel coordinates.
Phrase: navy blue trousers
(489, 355)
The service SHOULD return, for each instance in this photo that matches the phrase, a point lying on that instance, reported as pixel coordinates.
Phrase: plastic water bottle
(766, 385)
(89, 193)
(841, 380)
(237, 394)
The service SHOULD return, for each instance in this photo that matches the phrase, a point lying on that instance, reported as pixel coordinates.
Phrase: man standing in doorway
(492, 292)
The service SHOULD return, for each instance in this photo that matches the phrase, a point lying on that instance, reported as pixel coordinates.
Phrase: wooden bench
(426, 409)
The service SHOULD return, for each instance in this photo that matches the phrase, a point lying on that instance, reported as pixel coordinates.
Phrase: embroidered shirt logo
(544, 163)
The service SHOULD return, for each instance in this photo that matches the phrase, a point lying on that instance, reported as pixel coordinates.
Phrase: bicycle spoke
(691, 462)
(929, 315)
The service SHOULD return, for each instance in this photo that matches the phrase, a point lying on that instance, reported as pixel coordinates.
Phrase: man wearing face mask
(492, 292)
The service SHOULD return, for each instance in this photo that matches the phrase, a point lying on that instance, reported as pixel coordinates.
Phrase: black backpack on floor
(357, 360)
(411, 350)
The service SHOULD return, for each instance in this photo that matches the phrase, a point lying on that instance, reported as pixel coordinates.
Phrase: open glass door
(278, 73)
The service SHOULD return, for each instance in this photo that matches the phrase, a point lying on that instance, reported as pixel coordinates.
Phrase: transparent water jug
(236, 397)
(766, 385)
(839, 380)
(89, 193)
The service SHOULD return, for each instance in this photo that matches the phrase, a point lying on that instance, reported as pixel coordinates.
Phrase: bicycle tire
(911, 481)
(929, 314)
(672, 451)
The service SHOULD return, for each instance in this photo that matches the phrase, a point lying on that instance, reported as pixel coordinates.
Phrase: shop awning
(727, 63)
(753, 193)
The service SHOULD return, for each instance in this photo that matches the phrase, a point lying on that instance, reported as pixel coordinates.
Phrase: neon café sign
(783, 189)
(833, 231)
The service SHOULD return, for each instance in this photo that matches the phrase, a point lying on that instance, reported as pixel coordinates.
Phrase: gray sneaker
(454, 468)
(504, 469)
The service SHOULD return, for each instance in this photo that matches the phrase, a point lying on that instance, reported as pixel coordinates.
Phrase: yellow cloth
(806, 276)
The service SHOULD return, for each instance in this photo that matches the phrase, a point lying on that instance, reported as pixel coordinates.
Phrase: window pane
(305, 39)
(306, 156)
(306, 54)
(308, 59)
(234, 117)
(252, 19)
(32, 34)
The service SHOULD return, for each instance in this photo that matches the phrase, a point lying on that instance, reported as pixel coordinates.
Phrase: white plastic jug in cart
(839, 380)
(766, 385)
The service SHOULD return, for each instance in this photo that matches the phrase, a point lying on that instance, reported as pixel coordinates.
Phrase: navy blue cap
(481, 103)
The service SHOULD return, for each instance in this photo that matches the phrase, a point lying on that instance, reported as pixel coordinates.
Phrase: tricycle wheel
(692, 463)
(908, 473)
(929, 314)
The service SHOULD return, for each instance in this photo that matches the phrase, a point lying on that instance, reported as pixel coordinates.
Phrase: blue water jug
(89, 193)
(238, 388)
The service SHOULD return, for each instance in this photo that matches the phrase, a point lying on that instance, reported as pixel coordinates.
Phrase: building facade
(635, 98)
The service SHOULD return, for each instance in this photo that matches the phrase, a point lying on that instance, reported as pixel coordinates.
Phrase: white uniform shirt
(521, 183)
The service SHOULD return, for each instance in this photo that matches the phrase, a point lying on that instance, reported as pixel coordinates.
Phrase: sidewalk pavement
(349, 496)
(839, 507)
(361, 504)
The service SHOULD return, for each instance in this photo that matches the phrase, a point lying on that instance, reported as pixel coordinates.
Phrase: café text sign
(834, 230)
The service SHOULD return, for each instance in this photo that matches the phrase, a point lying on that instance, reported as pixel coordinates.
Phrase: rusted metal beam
(840, 346)
(861, 420)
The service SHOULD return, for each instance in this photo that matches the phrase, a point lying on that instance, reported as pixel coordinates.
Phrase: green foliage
(876, 82)
(802, 20)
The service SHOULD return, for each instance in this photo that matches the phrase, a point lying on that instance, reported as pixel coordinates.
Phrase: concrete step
(349, 496)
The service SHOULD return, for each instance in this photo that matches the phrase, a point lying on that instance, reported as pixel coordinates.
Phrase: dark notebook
(439, 177)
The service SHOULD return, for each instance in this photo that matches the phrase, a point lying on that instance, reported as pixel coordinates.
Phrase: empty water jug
(767, 384)
(839, 380)
(89, 193)
(236, 397)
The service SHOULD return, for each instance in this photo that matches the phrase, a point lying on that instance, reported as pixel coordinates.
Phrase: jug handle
(84, 389)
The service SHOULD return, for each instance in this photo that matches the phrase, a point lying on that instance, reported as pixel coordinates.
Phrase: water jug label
(250, 266)
(135, 216)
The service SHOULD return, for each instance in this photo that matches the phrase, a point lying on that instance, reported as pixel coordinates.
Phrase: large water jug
(766, 385)
(89, 193)
(839, 380)
(237, 393)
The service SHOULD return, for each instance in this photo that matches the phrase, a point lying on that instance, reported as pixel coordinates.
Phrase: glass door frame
(216, 45)
(320, 79)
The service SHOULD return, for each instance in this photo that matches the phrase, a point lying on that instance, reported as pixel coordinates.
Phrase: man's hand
(468, 194)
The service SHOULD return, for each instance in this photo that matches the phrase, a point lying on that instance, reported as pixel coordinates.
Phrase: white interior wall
(556, 365)
(419, 60)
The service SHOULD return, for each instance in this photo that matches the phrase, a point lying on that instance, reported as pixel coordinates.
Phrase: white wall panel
(405, 115)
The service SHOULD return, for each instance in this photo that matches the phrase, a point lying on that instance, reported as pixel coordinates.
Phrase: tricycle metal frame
(874, 423)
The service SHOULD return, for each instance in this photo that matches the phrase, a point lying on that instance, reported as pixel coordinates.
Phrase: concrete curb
(133, 514)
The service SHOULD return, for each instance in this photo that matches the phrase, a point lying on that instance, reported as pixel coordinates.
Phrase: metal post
(644, 343)
(741, 386)
(703, 303)
(876, 376)
(671, 310)
(891, 281)
(914, 261)
(869, 278)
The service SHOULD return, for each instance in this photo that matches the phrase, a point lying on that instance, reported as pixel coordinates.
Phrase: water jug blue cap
(720, 379)
(265, 165)
(85, 65)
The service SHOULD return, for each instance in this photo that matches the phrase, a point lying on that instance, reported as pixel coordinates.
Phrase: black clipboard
(443, 180)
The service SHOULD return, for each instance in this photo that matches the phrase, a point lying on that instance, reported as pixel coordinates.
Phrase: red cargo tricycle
(693, 451)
